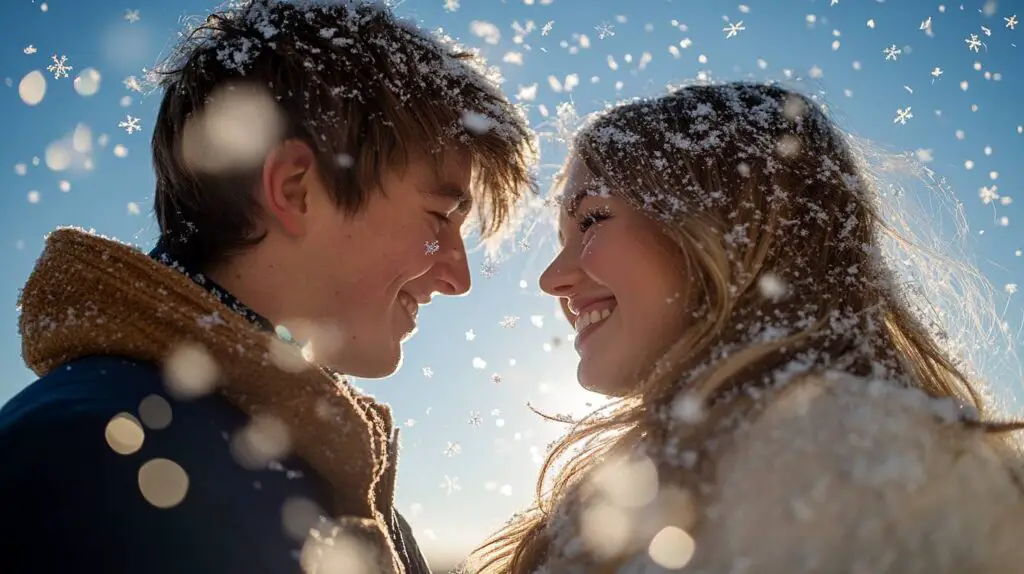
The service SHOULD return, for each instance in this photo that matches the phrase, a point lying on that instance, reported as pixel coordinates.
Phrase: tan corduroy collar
(89, 295)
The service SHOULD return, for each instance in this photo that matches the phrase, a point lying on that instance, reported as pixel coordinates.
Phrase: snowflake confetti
(470, 335)
(489, 269)
(509, 322)
(733, 29)
(604, 30)
(30, 49)
(496, 378)
(130, 125)
(132, 83)
(973, 43)
(902, 116)
(59, 68)
(132, 16)
(450, 484)
(452, 449)
(1011, 22)
(892, 52)
(428, 372)
(431, 247)
(475, 420)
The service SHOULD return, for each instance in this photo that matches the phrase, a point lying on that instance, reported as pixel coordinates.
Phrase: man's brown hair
(365, 90)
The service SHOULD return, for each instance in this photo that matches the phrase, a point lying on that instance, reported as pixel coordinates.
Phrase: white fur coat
(840, 475)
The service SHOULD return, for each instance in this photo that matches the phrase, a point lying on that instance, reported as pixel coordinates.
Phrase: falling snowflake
(450, 484)
(509, 321)
(926, 26)
(132, 83)
(902, 116)
(892, 52)
(496, 413)
(452, 449)
(973, 43)
(547, 28)
(986, 31)
(431, 247)
(524, 244)
(470, 335)
(604, 30)
(1011, 22)
(496, 379)
(733, 29)
(30, 49)
(410, 423)
(428, 372)
(130, 125)
(489, 269)
(1010, 288)
(132, 16)
(451, 5)
(989, 194)
(59, 68)
(937, 72)
(475, 419)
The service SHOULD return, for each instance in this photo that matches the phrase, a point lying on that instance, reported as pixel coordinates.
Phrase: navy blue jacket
(70, 503)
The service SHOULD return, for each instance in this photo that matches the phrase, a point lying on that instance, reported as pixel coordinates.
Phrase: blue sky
(595, 47)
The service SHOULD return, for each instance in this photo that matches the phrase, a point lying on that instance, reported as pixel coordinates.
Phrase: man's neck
(251, 283)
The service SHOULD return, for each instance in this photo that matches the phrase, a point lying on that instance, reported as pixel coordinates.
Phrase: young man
(314, 164)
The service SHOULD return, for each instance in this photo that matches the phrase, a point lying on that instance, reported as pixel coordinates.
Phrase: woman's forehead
(580, 183)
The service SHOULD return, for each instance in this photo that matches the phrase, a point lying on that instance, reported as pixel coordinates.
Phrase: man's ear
(289, 171)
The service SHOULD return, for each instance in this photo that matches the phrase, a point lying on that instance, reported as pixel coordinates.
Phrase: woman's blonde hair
(781, 234)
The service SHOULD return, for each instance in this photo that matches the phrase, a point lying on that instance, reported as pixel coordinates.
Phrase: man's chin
(378, 363)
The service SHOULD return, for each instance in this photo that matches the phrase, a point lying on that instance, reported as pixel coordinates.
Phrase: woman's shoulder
(849, 470)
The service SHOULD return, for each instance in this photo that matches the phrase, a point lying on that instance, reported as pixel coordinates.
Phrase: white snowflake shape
(733, 29)
(989, 194)
(130, 125)
(489, 269)
(451, 5)
(470, 335)
(973, 43)
(509, 321)
(496, 378)
(902, 116)
(547, 28)
(450, 484)
(132, 83)
(1011, 22)
(452, 449)
(892, 52)
(937, 72)
(132, 16)
(604, 30)
(428, 372)
(30, 49)
(475, 419)
(59, 68)
(431, 247)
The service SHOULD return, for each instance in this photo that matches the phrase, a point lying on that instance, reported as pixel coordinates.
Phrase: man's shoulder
(84, 387)
(100, 444)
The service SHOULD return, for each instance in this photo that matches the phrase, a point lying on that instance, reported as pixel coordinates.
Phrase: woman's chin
(603, 379)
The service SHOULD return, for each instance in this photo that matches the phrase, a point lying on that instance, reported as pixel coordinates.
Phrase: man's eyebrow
(453, 192)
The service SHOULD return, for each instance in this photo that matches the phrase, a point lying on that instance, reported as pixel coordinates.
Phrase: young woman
(782, 408)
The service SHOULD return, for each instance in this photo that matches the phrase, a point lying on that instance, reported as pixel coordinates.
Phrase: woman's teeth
(587, 319)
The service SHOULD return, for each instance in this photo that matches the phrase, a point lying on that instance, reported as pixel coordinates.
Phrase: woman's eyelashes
(593, 216)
